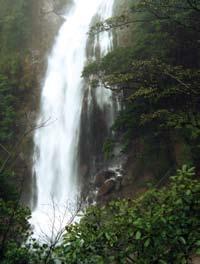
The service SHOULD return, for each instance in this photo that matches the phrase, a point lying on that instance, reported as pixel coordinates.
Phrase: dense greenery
(14, 231)
(15, 78)
(158, 76)
(161, 226)
(14, 25)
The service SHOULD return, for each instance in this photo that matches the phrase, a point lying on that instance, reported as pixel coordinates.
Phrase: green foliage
(161, 226)
(160, 98)
(12, 86)
(14, 25)
(153, 21)
(117, 61)
(14, 230)
(16, 244)
(7, 111)
(108, 148)
(15, 77)
(158, 74)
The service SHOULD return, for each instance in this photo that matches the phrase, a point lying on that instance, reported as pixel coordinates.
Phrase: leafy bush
(14, 230)
(14, 25)
(161, 226)
(157, 75)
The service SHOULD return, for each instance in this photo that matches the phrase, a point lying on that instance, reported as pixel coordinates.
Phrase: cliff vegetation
(158, 128)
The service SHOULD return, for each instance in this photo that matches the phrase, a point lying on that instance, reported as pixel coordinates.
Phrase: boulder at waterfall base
(102, 176)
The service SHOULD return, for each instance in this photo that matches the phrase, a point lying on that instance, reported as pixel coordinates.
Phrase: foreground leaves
(161, 226)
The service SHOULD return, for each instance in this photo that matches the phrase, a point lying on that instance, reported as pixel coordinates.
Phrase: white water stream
(56, 144)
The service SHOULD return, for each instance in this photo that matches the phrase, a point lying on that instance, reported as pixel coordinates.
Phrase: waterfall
(55, 164)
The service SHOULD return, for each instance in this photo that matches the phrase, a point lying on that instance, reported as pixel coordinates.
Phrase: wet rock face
(195, 260)
(47, 24)
(103, 176)
(91, 139)
(107, 182)
(107, 187)
(47, 17)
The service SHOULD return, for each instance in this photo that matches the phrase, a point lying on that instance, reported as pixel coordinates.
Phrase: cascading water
(56, 143)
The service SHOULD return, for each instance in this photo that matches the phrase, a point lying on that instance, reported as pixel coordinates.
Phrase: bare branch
(13, 153)
(187, 86)
(5, 149)
(193, 5)
(59, 221)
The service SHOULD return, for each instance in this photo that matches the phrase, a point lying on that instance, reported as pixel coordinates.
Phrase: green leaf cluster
(161, 226)
(157, 75)
(15, 77)
(14, 25)
(14, 230)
